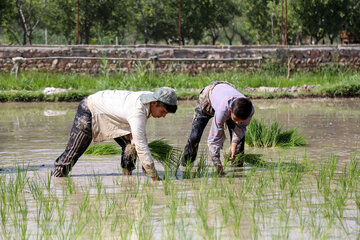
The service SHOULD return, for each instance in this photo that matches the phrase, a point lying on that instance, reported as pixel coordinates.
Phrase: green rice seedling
(102, 149)
(326, 174)
(144, 229)
(283, 175)
(115, 223)
(4, 207)
(187, 173)
(129, 219)
(202, 210)
(99, 186)
(46, 212)
(110, 206)
(261, 185)
(225, 212)
(70, 186)
(294, 181)
(202, 168)
(35, 189)
(183, 198)
(354, 172)
(237, 214)
(259, 135)
(249, 182)
(60, 210)
(254, 229)
(173, 204)
(166, 180)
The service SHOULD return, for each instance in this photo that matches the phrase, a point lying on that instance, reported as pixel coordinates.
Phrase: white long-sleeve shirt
(117, 113)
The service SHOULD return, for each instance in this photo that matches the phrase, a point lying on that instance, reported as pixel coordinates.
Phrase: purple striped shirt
(221, 99)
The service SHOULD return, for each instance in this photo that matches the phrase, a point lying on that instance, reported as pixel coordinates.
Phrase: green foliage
(202, 21)
(259, 135)
(321, 17)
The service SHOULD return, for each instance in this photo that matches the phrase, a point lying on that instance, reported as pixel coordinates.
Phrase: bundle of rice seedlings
(161, 151)
(103, 149)
(259, 135)
(164, 153)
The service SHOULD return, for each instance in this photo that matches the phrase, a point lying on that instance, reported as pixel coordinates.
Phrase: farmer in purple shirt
(229, 108)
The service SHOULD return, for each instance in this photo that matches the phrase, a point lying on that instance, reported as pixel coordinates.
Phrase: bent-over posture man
(120, 115)
(228, 107)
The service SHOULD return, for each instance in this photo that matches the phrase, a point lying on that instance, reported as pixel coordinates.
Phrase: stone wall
(192, 59)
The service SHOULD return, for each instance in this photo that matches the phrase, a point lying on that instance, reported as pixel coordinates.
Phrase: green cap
(164, 94)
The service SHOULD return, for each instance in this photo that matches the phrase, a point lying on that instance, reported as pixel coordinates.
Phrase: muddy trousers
(199, 123)
(79, 141)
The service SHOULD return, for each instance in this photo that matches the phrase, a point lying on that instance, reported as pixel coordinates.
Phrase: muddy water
(36, 133)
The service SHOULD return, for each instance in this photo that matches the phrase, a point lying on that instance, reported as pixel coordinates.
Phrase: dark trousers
(127, 162)
(79, 141)
(199, 123)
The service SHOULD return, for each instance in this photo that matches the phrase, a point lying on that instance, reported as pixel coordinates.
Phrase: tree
(7, 19)
(321, 18)
(114, 16)
(29, 16)
(156, 20)
(219, 14)
(335, 17)
(61, 19)
(5, 8)
(259, 17)
(352, 19)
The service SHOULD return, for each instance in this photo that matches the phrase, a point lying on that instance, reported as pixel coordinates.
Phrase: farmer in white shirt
(120, 115)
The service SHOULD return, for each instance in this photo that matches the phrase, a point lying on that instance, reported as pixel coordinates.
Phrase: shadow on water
(257, 160)
(25, 168)
(189, 172)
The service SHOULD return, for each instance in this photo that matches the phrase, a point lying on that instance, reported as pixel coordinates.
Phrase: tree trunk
(24, 38)
(146, 35)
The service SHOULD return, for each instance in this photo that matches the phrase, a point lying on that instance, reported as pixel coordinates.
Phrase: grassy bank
(28, 86)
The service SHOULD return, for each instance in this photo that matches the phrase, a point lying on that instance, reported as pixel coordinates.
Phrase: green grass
(260, 135)
(334, 82)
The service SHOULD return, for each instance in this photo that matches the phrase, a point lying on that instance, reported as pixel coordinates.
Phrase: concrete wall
(192, 59)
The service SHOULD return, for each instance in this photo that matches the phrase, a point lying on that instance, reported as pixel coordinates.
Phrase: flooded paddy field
(319, 200)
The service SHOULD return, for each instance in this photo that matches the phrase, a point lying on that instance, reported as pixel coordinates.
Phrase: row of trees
(157, 21)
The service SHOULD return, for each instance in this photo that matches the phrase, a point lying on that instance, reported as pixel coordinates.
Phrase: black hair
(169, 108)
(242, 108)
